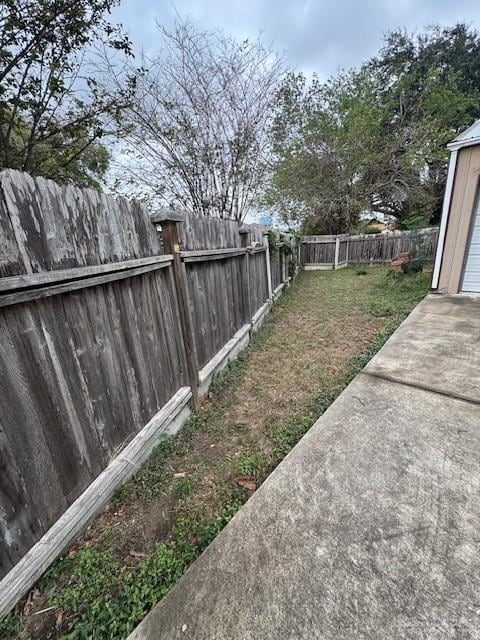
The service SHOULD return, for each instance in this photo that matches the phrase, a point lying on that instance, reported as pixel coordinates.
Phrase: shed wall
(465, 187)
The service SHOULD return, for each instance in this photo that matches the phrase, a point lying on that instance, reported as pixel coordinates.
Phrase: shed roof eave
(459, 144)
(467, 138)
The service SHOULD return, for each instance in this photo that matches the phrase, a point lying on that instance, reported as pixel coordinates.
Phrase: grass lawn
(317, 338)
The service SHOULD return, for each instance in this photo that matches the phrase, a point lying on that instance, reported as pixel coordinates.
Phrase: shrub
(413, 266)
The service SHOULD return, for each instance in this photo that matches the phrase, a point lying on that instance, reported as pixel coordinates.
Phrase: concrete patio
(370, 528)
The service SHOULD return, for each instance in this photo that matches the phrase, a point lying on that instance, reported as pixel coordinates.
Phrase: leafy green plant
(292, 267)
(198, 422)
(229, 375)
(183, 487)
(414, 266)
(105, 600)
(285, 436)
(10, 627)
(396, 293)
(379, 308)
(272, 242)
(250, 462)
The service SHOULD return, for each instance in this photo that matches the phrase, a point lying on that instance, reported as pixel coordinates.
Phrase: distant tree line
(220, 127)
(374, 138)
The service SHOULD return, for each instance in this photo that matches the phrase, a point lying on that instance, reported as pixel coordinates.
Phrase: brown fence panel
(319, 251)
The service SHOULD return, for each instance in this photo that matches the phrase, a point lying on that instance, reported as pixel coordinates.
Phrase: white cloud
(316, 35)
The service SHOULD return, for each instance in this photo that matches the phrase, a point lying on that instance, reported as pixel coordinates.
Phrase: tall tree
(198, 127)
(52, 110)
(374, 139)
(325, 142)
(429, 84)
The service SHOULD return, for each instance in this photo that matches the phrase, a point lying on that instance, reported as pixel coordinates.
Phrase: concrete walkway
(370, 528)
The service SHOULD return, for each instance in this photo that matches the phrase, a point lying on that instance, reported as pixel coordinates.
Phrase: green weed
(251, 462)
(148, 482)
(10, 628)
(183, 487)
(229, 375)
(103, 599)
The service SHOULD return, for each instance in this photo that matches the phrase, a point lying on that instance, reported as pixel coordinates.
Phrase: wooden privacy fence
(111, 324)
(334, 252)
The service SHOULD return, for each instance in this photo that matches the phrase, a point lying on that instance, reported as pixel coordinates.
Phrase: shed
(457, 261)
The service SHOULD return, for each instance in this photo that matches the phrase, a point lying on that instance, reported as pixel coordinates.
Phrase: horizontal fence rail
(112, 323)
(333, 252)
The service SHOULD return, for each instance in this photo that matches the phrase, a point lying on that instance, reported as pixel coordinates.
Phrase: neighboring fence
(106, 325)
(333, 252)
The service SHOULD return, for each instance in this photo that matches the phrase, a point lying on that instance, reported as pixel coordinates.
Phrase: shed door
(471, 275)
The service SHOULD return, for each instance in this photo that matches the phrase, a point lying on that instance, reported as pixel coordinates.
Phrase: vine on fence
(272, 243)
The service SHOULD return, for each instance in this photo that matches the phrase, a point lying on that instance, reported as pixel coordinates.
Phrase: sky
(314, 35)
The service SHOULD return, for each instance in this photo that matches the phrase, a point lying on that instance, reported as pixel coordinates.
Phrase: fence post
(246, 273)
(168, 220)
(337, 252)
(267, 260)
(285, 260)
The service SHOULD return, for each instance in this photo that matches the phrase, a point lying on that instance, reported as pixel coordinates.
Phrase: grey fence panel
(47, 227)
(368, 249)
(91, 338)
(203, 232)
(258, 281)
(316, 250)
(342, 252)
(216, 303)
(81, 373)
(276, 269)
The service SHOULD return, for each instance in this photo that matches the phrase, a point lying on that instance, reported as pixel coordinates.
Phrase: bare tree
(198, 130)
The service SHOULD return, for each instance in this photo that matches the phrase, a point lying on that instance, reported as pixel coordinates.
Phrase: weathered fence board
(91, 338)
(342, 250)
(378, 249)
(258, 279)
(81, 374)
(50, 227)
(275, 270)
(198, 232)
(217, 304)
(320, 251)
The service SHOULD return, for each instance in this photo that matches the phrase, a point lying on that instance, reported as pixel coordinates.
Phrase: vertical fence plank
(268, 265)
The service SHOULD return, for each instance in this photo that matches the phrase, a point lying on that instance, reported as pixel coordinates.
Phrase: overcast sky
(315, 35)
